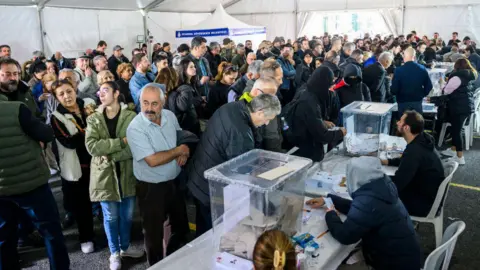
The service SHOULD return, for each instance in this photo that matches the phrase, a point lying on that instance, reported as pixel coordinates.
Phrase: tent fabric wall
(72, 31)
(282, 24)
(21, 31)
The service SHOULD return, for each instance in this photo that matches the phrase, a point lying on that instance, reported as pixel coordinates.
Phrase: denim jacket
(289, 72)
(136, 83)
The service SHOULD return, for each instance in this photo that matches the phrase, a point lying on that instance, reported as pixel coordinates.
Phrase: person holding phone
(376, 216)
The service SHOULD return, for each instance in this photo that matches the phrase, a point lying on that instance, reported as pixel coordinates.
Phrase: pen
(322, 234)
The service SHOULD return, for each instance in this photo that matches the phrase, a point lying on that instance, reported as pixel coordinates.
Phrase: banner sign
(202, 33)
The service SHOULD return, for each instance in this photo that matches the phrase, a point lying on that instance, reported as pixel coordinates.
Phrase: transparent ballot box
(366, 123)
(253, 193)
(437, 76)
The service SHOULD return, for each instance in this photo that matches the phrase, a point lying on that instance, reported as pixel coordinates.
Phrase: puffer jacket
(354, 89)
(230, 133)
(377, 217)
(105, 183)
(182, 102)
(304, 72)
(461, 100)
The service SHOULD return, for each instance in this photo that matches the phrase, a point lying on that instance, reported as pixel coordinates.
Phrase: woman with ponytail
(218, 95)
(274, 251)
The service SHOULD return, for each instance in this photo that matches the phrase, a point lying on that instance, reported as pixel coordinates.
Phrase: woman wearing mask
(353, 88)
(112, 182)
(218, 95)
(460, 104)
(274, 251)
(186, 99)
(376, 216)
(69, 123)
(125, 73)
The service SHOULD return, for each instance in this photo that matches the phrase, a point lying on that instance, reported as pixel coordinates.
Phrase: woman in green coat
(112, 182)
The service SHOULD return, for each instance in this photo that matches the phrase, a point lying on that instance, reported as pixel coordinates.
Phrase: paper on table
(237, 205)
(275, 173)
(226, 260)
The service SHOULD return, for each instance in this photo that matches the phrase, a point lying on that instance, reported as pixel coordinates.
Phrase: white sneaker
(87, 247)
(449, 152)
(460, 161)
(131, 253)
(115, 261)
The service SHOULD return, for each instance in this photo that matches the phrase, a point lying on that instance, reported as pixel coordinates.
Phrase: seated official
(420, 170)
(376, 216)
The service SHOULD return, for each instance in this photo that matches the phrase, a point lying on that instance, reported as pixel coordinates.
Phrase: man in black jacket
(356, 58)
(204, 75)
(347, 51)
(473, 57)
(62, 62)
(420, 170)
(375, 77)
(116, 59)
(213, 57)
(230, 132)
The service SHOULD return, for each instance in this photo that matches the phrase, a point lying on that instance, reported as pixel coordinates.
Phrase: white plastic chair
(437, 219)
(467, 131)
(476, 114)
(441, 256)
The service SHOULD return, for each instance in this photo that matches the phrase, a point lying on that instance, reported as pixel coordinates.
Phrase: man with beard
(157, 162)
(420, 170)
(11, 87)
(100, 63)
(141, 77)
(248, 47)
(5, 51)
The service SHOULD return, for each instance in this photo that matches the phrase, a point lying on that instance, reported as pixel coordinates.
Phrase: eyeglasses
(101, 91)
(233, 68)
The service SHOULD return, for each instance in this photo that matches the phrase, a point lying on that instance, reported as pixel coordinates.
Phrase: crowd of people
(122, 132)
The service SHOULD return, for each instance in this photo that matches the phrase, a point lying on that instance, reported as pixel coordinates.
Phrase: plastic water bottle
(284, 123)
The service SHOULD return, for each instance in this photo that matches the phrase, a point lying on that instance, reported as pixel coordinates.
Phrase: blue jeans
(117, 220)
(408, 106)
(40, 206)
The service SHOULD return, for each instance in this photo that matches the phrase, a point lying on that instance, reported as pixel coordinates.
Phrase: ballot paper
(327, 180)
(226, 261)
(361, 143)
(275, 173)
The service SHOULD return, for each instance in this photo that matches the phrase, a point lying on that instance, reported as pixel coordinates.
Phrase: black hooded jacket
(354, 89)
(304, 72)
(306, 113)
(419, 175)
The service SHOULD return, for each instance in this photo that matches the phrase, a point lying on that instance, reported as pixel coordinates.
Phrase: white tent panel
(282, 24)
(21, 31)
(16, 2)
(461, 19)
(329, 5)
(71, 31)
(100, 4)
(162, 25)
(426, 3)
(256, 6)
(189, 5)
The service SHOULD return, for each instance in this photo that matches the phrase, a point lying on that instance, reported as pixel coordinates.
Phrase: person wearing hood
(353, 88)
(420, 170)
(376, 216)
(304, 69)
(308, 116)
(230, 132)
(460, 90)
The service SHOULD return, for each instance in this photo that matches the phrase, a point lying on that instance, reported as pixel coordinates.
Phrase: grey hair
(68, 70)
(269, 104)
(385, 56)
(334, 39)
(261, 83)
(98, 57)
(155, 87)
(268, 69)
(255, 67)
(38, 54)
(240, 46)
(349, 46)
(214, 45)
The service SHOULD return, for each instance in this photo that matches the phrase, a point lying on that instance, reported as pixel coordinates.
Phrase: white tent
(71, 26)
(220, 25)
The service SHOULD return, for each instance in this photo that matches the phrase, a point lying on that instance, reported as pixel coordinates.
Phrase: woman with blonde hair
(125, 73)
(218, 95)
(105, 76)
(274, 251)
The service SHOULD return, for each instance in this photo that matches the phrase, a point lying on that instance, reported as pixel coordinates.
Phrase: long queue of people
(122, 132)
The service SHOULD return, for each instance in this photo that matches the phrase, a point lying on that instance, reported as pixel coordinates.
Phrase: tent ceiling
(190, 5)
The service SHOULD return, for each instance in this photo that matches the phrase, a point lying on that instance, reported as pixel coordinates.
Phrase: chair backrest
(440, 257)
(449, 168)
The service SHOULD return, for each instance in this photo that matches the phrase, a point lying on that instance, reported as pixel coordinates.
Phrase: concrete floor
(462, 204)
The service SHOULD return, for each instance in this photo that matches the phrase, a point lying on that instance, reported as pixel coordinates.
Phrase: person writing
(420, 170)
(376, 216)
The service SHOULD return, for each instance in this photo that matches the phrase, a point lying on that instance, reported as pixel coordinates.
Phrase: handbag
(441, 102)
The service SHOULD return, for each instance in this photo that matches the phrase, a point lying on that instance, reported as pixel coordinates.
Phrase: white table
(199, 254)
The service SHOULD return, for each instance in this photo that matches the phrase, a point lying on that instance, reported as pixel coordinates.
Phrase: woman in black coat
(376, 216)
(186, 101)
(125, 72)
(460, 105)
(304, 70)
(218, 94)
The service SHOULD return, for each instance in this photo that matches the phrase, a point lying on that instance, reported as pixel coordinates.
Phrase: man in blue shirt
(141, 77)
(411, 83)
(157, 161)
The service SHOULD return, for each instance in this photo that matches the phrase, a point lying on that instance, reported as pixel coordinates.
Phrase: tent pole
(296, 19)
(40, 20)
(145, 33)
(403, 17)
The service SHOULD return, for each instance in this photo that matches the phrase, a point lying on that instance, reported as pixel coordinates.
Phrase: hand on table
(384, 162)
(316, 203)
